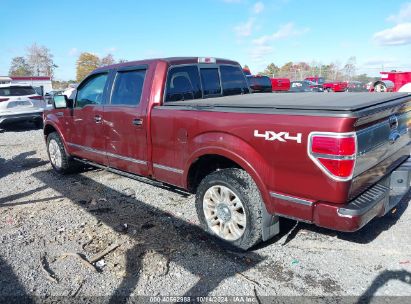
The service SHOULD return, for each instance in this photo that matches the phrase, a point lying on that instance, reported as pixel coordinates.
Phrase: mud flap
(271, 224)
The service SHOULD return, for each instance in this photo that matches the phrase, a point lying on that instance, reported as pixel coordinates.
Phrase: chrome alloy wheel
(224, 213)
(55, 153)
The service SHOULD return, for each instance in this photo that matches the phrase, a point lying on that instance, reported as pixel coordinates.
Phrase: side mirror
(61, 102)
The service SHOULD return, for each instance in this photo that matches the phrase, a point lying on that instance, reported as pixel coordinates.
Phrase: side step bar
(134, 176)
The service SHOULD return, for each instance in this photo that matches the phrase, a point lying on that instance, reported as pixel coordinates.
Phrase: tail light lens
(334, 153)
(3, 99)
(36, 97)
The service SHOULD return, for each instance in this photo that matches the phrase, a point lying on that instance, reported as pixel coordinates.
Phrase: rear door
(85, 130)
(125, 118)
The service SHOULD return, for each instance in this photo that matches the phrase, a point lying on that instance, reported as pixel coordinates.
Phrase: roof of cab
(169, 60)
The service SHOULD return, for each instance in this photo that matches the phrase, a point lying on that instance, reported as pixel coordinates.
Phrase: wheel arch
(203, 161)
(50, 127)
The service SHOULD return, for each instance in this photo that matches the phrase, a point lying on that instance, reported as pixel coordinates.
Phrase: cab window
(91, 92)
(183, 83)
(128, 87)
(233, 80)
(211, 82)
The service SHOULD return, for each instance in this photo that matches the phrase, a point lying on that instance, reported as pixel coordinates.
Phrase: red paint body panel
(280, 84)
(85, 131)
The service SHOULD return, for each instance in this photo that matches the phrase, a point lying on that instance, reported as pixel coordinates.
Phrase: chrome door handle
(97, 119)
(137, 121)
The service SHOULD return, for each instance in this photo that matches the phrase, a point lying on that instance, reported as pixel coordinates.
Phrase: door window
(91, 92)
(128, 88)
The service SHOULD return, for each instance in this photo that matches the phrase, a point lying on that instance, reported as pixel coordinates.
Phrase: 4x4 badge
(280, 136)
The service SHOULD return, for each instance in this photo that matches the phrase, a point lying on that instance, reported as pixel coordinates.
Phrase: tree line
(38, 61)
(332, 71)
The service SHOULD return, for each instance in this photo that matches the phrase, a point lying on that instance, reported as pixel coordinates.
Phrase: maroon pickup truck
(336, 161)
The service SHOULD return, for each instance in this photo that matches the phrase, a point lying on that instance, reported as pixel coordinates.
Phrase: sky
(256, 33)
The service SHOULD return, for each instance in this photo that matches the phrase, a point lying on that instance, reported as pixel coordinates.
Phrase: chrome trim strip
(171, 169)
(133, 160)
(291, 199)
(331, 156)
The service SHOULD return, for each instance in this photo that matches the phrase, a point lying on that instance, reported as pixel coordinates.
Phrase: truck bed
(339, 103)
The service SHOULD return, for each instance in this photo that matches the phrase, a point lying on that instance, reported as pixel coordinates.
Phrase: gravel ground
(51, 226)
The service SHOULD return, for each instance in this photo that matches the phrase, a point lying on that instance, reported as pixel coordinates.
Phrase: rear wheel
(229, 206)
(59, 159)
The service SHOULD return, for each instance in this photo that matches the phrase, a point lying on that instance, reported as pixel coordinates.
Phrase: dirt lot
(52, 226)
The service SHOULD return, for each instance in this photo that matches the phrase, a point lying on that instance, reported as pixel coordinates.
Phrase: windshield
(17, 91)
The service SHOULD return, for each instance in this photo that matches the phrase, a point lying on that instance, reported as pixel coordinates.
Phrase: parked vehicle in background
(392, 82)
(299, 87)
(334, 160)
(259, 84)
(315, 87)
(280, 84)
(305, 86)
(316, 79)
(20, 103)
(335, 86)
(356, 86)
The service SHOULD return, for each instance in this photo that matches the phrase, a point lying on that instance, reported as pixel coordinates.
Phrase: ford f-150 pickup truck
(336, 161)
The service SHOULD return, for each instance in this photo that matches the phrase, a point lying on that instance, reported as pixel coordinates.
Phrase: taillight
(334, 153)
(3, 99)
(36, 97)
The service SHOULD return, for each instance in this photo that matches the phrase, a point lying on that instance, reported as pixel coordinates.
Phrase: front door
(86, 138)
(124, 116)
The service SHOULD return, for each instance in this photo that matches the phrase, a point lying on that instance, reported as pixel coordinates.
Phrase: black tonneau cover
(299, 101)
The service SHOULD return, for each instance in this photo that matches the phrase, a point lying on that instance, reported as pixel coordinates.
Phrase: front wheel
(59, 159)
(229, 206)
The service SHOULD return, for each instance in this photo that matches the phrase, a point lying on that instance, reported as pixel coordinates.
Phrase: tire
(242, 226)
(59, 158)
(380, 87)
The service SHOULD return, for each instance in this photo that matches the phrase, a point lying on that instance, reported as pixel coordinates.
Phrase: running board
(123, 173)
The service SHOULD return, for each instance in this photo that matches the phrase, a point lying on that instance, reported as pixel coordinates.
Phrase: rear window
(128, 87)
(17, 91)
(211, 81)
(233, 80)
(183, 83)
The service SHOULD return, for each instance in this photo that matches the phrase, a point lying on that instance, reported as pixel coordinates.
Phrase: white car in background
(20, 102)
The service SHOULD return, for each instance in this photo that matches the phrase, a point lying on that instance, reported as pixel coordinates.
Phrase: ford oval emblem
(393, 120)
